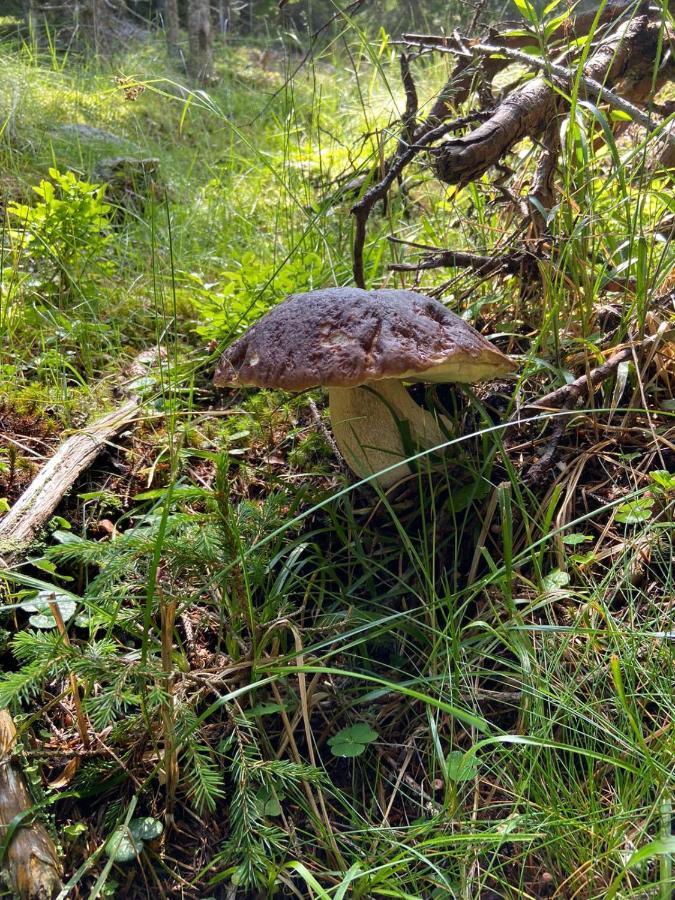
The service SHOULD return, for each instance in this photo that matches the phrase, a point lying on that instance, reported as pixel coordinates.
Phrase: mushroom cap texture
(345, 337)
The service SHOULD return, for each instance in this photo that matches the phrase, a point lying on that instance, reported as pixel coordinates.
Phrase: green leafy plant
(126, 842)
(40, 607)
(634, 512)
(352, 741)
(65, 233)
(461, 766)
(245, 292)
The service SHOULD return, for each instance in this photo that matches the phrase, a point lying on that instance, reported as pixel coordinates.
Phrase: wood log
(31, 858)
(38, 502)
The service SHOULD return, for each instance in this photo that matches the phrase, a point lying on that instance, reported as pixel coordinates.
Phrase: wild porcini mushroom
(363, 346)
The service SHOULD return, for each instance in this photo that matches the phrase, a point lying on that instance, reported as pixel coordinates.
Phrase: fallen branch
(508, 264)
(35, 506)
(30, 855)
(462, 80)
(569, 394)
(526, 112)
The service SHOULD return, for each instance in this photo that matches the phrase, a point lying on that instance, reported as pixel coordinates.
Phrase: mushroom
(363, 346)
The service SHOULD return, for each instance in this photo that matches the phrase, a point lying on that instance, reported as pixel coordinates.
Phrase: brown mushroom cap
(345, 337)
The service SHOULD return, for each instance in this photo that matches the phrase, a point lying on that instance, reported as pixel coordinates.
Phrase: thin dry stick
(81, 719)
(167, 610)
(508, 264)
(304, 704)
(361, 210)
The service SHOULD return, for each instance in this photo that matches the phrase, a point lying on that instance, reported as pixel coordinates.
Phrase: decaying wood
(628, 54)
(31, 858)
(620, 72)
(38, 502)
(471, 69)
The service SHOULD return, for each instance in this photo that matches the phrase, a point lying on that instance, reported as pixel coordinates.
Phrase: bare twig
(508, 264)
(81, 719)
(409, 118)
(362, 209)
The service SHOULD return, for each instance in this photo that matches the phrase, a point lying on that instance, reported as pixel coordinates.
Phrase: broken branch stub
(31, 859)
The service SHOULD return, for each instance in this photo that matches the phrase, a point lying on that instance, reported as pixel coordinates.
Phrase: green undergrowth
(462, 688)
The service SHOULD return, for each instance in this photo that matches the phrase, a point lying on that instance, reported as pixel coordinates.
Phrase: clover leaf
(39, 605)
(352, 741)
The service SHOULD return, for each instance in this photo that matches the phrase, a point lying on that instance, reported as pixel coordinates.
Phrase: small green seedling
(269, 801)
(74, 830)
(663, 479)
(635, 511)
(461, 766)
(573, 540)
(127, 841)
(352, 741)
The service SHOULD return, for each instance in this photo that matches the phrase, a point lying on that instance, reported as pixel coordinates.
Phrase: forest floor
(460, 688)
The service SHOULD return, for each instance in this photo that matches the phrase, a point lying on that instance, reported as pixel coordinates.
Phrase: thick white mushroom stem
(368, 423)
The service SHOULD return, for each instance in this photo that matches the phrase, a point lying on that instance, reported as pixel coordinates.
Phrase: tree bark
(172, 27)
(200, 35)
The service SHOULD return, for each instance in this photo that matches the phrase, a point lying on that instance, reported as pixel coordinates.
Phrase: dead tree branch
(527, 111)
(508, 264)
(569, 394)
(619, 72)
(409, 118)
(470, 68)
(363, 208)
